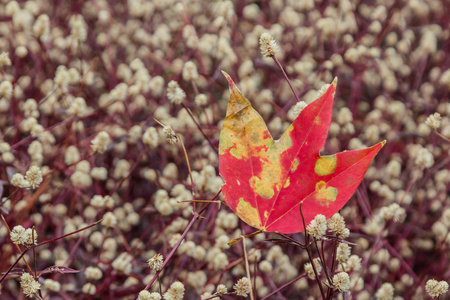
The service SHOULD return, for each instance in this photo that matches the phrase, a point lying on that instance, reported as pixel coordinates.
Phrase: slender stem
(293, 241)
(198, 126)
(160, 286)
(34, 252)
(304, 225)
(200, 201)
(283, 286)
(14, 264)
(194, 86)
(322, 257)
(247, 268)
(175, 248)
(308, 250)
(137, 162)
(166, 261)
(190, 172)
(410, 185)
(441, 135)
(246, 236)
(63, 236)
(187, 161)
(285, 76)
(315, 272)
(333, 265)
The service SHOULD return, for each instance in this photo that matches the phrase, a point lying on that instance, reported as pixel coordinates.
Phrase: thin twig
(13, 265)
(322, 257)
(293, 241)
(308, 250)
(285, 76)
(189, 168)
(333, 265)
(441, 135)
(247, 268)
(186, 230)
(198, 126)
(283, 286)
(63, 236)
(34, 252)
(201, 201)
(246, 236)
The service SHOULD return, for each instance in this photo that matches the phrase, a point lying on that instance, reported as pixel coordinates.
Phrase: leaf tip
(383, 143)
(230, 81)
(335, 80)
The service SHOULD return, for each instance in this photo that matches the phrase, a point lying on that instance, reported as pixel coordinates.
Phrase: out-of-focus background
(70, 70)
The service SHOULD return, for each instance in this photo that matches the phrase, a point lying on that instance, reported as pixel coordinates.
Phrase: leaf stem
(246, 236)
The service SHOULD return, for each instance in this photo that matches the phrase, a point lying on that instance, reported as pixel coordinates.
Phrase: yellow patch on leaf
(325, 165)
(235, 153)
(325, 195)
(295, 164)
(262, 188)
(248, 213)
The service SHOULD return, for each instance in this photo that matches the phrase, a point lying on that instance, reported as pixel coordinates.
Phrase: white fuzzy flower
(101, 142)
(318, 227)
(436, 288)
(268, 45)
(175, 94)
(434, 121)
(342, 282)
(29, 285)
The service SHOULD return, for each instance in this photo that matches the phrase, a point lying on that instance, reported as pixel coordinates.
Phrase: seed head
(318, 227)
(101, 142)
(171, 137)
(175, 94)
(436, 288)
(267, 45)
(434, 121)
(156, 262)
(242, 287)
(342, 282)
(34, 177)
(29, 285)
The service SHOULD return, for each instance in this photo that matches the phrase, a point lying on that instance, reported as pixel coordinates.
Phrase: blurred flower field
(110, 115)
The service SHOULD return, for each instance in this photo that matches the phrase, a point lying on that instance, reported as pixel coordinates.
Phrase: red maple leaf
(267, 180)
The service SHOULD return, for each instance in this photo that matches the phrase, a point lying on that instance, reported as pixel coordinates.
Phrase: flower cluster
(82, 88)
(21, 236)
(156, 262)
(29, 285)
